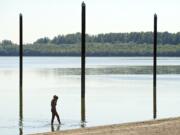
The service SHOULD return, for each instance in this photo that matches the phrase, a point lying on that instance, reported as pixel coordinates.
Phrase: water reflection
(169, 69)
(109, 70)
(20, 126)
(53, 128)
(83, 124)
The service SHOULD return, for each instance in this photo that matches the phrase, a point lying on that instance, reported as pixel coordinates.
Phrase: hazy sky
(53, 17)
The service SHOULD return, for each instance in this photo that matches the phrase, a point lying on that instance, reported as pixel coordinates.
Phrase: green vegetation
(111, 44)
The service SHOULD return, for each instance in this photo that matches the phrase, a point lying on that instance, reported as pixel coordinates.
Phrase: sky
(49, 18)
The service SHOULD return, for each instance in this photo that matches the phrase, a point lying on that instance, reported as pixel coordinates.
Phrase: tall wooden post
(154, 67)
(83, 62)
(20, 66)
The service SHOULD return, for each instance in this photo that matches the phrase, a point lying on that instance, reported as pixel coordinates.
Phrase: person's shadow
(57, 128)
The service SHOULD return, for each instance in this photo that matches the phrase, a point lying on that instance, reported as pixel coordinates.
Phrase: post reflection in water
(21, 126)
(83, 124)
(57, 128)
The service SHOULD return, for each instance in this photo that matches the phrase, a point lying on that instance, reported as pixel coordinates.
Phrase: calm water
(110, 99)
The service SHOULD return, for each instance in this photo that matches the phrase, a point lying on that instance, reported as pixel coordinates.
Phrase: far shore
(90, 56)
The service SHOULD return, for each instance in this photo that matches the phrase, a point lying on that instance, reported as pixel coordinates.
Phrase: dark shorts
(53, 111)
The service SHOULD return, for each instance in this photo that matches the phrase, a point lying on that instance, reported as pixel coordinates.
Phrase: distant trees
(67, 39)
(6, 42)
(137, 37)
(109, 44)
(132, 37)
(44, 40)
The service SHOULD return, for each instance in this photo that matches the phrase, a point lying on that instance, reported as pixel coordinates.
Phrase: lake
(111, 97)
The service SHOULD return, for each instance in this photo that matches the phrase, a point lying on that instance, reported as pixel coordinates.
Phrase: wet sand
(170, 126)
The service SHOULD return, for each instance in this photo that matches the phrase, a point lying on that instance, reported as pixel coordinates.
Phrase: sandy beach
(170, 126)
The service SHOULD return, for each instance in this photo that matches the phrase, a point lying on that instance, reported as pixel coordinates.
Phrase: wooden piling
(83, 61)
(21, 66)
(154, 68)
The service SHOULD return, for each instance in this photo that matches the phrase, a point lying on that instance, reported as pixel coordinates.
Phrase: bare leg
(58, 118)
(52, 119)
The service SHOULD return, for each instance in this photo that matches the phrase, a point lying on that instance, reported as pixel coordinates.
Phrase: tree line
(132, 37)
(110, 44)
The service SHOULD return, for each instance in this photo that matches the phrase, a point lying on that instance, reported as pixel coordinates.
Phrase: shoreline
(168, 126)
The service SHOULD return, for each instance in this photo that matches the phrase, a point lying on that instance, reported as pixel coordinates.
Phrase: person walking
(53, 110)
